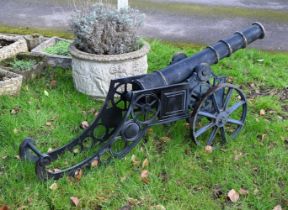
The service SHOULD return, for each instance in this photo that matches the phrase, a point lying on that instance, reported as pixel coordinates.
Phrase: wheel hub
(221, 119)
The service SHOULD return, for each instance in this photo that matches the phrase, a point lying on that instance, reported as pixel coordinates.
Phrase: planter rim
(76, 53)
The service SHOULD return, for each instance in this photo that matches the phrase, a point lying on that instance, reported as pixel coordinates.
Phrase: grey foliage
(102, 29)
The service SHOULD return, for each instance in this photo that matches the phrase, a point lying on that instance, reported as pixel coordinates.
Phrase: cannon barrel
(181, 70)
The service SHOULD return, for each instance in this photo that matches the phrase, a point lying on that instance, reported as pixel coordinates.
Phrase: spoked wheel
(146, 108)
(121, 96)
(219, 116)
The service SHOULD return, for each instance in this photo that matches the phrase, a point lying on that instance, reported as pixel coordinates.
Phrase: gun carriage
(186, 89)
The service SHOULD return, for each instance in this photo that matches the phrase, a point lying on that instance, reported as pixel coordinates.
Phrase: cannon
(185, 90)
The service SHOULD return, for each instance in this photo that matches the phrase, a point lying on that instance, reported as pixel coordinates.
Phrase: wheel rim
(220, 115)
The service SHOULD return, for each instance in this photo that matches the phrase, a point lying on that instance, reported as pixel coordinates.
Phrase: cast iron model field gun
(186, 89)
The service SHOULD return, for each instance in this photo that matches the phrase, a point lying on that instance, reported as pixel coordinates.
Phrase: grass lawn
(181, 175)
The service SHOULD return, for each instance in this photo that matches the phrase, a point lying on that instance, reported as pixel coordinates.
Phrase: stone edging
(11, 50)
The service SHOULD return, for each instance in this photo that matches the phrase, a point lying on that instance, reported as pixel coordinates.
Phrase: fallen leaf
(135, 161)
(94, 163)
(278, 207)
(53, 83)
(53, 186)
(145, 163)
(84, 125)
(158, 207)
(5, 207)
(133, 201)
(144, 176)
(79, 174)
(208, 149)
(17, 157)
(96, 114)
(233, 196)
(165, 139)
(262, 112)
(243, 191)
(48, 123)
(74, 200)
(46, 93)
(15, 110)
(260, 60)
(76, 150)
(150, 131)
(50, 149)
(4, 157)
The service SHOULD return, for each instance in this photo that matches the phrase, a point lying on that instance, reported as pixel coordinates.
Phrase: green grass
(31, 30)
(182, 176)
(60, 48)
(209, 10)
(22, 65)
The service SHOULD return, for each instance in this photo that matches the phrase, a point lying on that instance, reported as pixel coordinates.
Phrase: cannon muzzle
(182, 70)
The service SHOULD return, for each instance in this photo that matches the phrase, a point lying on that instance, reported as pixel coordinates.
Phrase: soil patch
(264, 91)
(4, 43)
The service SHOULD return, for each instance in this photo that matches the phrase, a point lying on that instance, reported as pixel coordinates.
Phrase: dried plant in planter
(102, 29)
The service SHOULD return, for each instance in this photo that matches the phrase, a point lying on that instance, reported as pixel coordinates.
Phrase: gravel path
(159, 23)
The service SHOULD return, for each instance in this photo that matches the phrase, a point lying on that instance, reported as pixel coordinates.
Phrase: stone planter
(53, 60)
(35, 71)
(33, 41)
(10, 82)
(11, 46)
(92, 73)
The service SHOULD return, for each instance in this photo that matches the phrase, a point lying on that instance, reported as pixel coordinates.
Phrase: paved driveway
(163, 22)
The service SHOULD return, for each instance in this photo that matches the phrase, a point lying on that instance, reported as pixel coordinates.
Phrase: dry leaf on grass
(94, 163)
(233, 196)
(278, 207)
(145, 163)
(133, 202)
(243, 191)
(79, 174)
(53, 186)
(262, 112)
(74, 200)
(158, 207)
(208, 149)
(5, 207)
(144, 176)
(53, 84)
(135, 161)
(165, 139)
(46, 93)
(84, 125)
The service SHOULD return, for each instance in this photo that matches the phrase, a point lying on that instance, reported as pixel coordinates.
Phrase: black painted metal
(180, 71)
(187, 89)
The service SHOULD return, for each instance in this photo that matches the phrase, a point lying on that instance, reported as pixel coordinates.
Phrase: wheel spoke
(212, 135)
(215, 102)
(235, 107)
(117, 102)
(236, 122)
(228, 98)
(118, 93)
(207, 114)
(204, 129)
(152, 103)
(223, 135)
